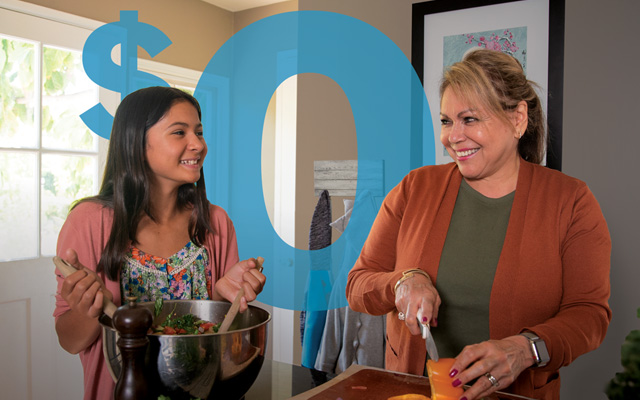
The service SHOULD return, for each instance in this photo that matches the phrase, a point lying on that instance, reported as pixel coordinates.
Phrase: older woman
(501, 255)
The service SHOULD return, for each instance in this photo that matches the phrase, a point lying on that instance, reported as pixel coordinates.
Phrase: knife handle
(423, 329)
(108, 307)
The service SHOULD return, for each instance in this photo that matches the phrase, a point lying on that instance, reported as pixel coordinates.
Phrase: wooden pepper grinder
(132, 324)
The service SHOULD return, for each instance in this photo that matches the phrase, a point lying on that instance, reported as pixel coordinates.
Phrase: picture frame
(442, 28)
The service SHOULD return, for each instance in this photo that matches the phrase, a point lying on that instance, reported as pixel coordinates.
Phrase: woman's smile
(466, 153)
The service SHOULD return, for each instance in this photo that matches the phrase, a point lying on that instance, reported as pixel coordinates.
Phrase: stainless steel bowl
(211, 366)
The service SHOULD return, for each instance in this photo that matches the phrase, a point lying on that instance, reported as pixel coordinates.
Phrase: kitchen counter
(278, 381)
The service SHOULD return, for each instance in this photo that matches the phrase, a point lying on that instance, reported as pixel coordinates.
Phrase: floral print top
(181, 276)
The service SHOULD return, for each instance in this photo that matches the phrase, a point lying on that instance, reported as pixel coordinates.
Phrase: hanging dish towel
(319, 279)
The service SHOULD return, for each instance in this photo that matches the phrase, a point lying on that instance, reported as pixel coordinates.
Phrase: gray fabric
(351, 337)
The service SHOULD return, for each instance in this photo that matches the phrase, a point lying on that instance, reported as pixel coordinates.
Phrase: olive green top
(467, 268)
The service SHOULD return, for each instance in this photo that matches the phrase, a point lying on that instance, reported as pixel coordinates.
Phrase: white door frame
(285, 196)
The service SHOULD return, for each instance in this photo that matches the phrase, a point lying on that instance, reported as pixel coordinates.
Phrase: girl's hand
(83, 290)
(246, 274)
(503, 359)
(417, 299)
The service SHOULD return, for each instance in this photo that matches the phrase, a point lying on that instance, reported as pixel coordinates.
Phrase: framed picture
(530, 30)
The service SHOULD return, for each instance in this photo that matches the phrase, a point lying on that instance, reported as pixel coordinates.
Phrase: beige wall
(246, 17)
(391, 17)
(196, 29)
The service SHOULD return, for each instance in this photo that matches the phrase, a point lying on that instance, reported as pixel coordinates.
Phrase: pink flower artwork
(502, 42)
(503, 39)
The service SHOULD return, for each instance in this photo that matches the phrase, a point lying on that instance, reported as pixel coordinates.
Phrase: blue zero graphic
(393, 128)
(392, 122)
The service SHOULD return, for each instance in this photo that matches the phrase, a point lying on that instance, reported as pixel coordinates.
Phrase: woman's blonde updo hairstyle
(496, 82)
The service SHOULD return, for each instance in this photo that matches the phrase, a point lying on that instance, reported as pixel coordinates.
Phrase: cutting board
(372, 384)
(360, 382)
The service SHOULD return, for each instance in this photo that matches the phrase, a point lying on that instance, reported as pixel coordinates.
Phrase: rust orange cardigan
(552, 276)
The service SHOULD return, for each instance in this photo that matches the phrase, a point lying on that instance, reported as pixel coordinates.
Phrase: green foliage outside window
(68, 150)
(17, 88)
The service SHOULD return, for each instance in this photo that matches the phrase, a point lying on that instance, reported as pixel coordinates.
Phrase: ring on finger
(401, 316)
(492, 379)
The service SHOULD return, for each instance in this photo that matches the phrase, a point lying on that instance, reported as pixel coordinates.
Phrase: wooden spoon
(231, 314)
(235, 306)
(67, 269)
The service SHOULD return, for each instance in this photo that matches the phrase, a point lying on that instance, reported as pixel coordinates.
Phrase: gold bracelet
(408, 274)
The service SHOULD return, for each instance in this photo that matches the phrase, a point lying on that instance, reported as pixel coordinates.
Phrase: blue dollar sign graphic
(125, 78)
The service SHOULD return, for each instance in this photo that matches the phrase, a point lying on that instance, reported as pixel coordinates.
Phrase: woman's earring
(521, 133)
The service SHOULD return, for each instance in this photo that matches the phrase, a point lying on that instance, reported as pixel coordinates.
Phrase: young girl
(150, 232)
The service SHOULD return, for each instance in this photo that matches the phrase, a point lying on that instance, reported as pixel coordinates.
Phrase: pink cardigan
(552, 276)
(87, 230)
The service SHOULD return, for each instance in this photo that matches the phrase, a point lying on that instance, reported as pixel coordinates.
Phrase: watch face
(538, 348)
(543, 353)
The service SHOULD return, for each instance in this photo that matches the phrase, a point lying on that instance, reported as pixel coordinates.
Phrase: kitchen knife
(432, 350)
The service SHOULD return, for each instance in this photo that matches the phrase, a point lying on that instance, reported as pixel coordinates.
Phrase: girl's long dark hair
(125, 186)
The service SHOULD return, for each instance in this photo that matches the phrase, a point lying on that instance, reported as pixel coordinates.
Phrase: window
(48, 157)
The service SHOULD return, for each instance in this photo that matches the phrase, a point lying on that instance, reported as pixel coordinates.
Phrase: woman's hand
(246, 274)
(417, 299)
(503, 359)
(83, 290)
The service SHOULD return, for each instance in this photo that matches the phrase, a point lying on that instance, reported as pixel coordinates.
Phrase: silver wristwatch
(538, 348)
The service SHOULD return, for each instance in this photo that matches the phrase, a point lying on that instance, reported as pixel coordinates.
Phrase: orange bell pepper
(410, 396)
(441, 382)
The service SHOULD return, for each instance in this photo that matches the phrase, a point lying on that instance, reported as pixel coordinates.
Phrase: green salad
(187, 324)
